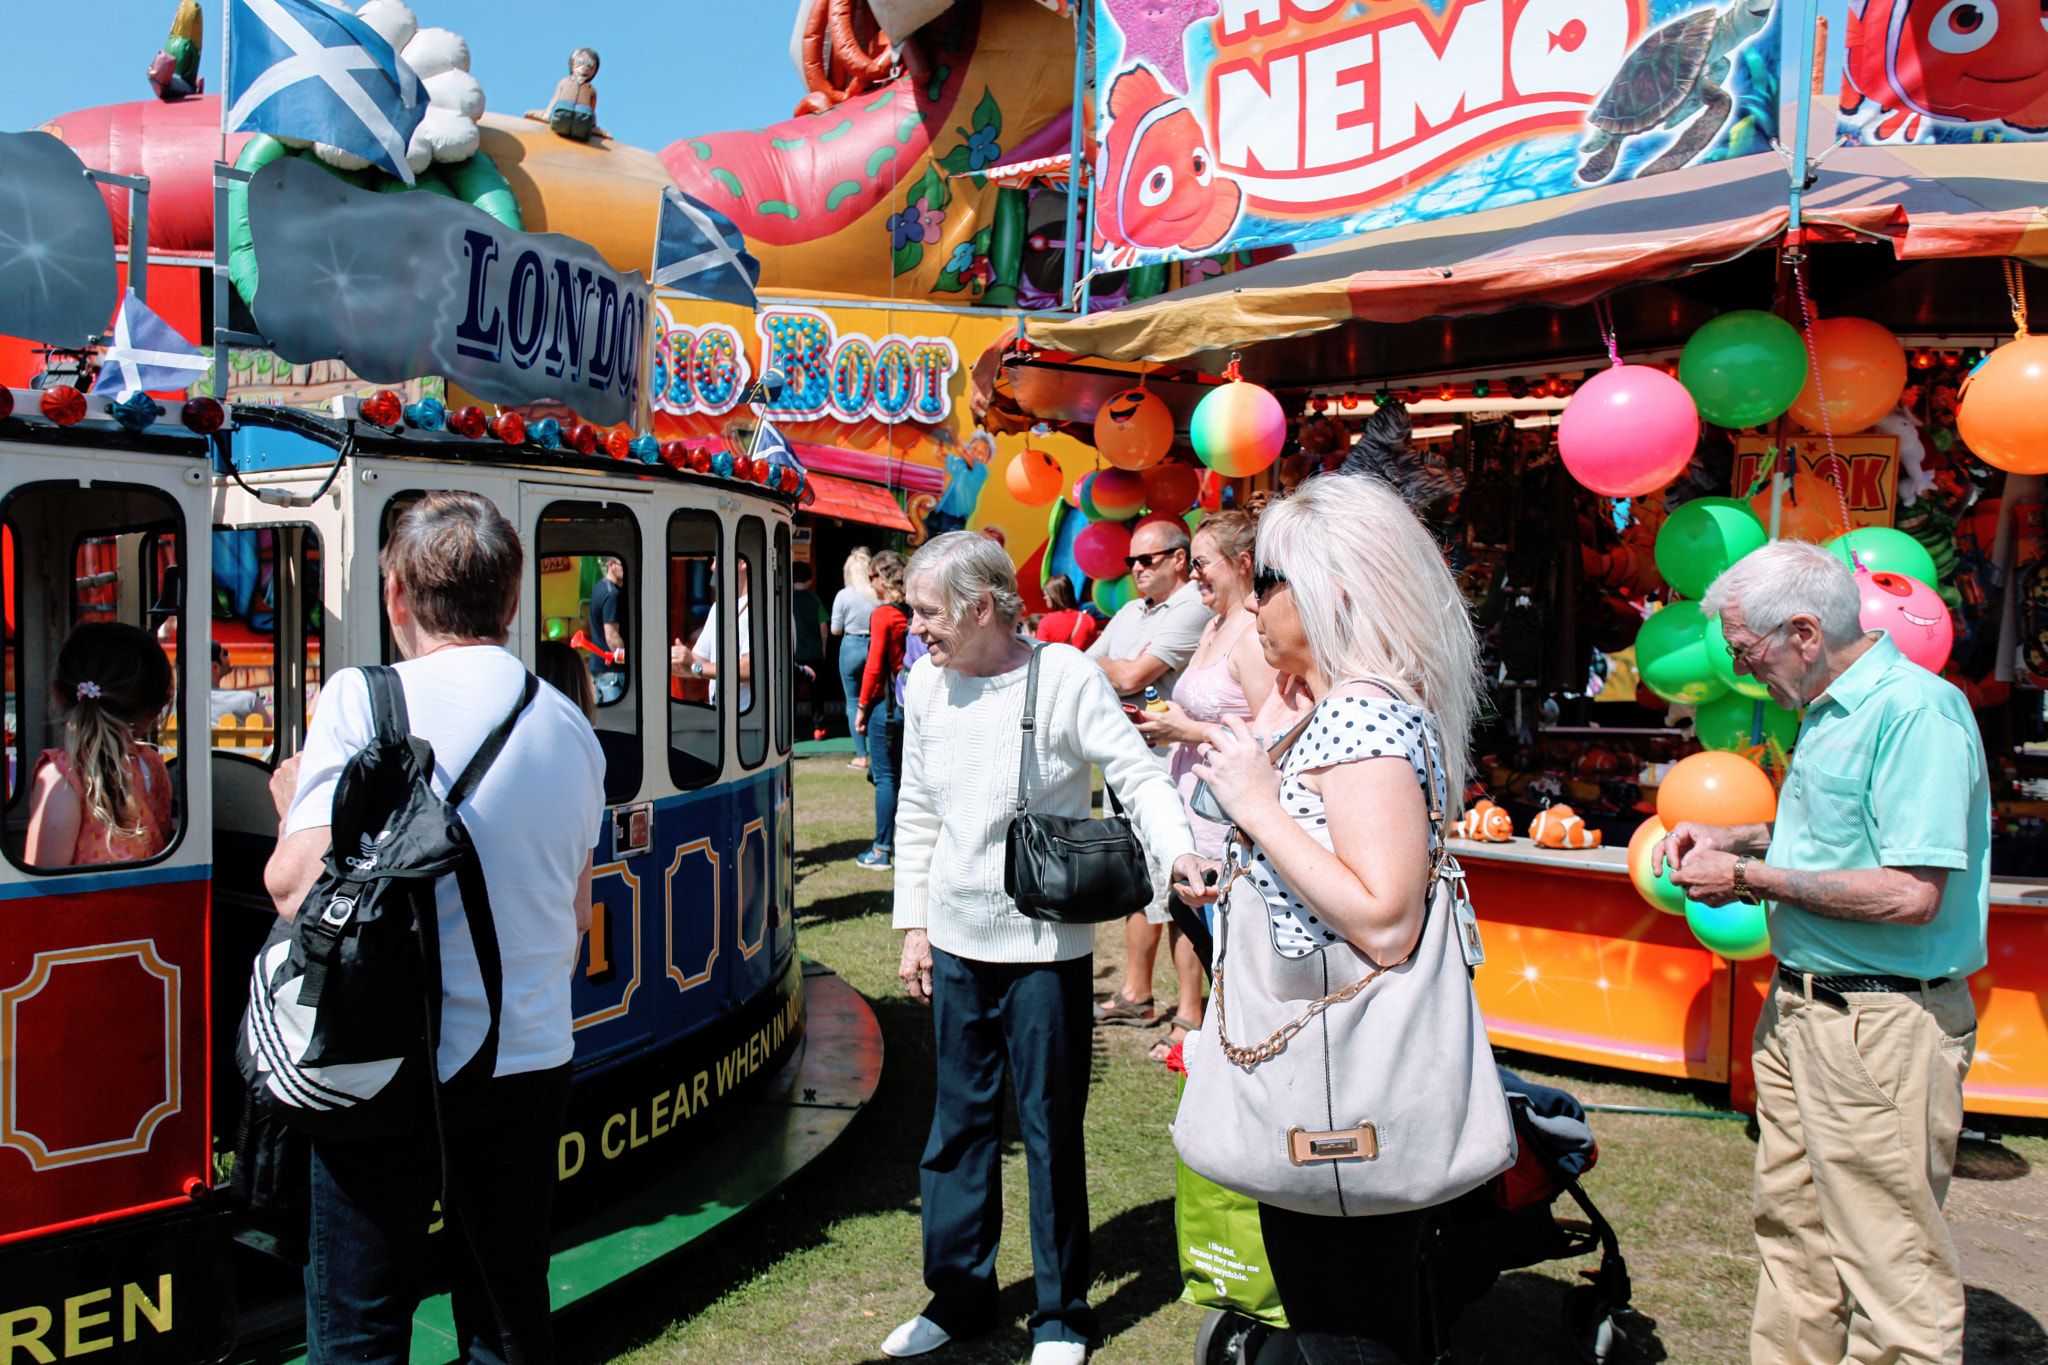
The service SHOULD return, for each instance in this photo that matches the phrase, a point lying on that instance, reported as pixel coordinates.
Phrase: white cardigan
(961, 745)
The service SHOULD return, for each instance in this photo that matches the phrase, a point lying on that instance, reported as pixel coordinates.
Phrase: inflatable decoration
(1629, 430)
(1111, 594)
(1862, 372)
(1722, 664)
(1912, 613)
(1238, 429)
(2003, 418)
(1880, 549)
(1657, 888)
(1729, 722)
(1736, 931)
(1117, 494)
(573, 111)
(1100, 549)
(174, 71)
(1716, 789)
(1172, 488)
(1561, 827)
(1134, 429)
(1743, 368)
(1033, 477)
(1084, 496)
(1485, 822)
(1671, 655)
(1701, 539)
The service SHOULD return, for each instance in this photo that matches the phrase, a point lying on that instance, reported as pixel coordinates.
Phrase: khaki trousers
(1858, 1111)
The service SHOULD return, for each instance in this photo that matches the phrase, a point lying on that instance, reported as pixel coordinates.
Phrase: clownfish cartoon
(1561, 827)
(1487, 823)
(1158, 183)
(1955, 61)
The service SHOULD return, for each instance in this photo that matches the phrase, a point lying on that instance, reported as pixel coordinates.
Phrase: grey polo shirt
(1168, 631)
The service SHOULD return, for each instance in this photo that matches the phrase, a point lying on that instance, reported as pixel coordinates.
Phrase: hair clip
(88, 689)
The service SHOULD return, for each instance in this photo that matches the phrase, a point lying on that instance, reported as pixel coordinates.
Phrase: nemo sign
(1267, 121)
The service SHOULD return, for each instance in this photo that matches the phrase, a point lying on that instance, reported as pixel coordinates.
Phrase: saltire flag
(147, 353)
(302, 69)
(771, 445)
(699, 251)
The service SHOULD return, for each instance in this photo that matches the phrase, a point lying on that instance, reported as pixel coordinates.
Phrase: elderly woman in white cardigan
(1006, 992)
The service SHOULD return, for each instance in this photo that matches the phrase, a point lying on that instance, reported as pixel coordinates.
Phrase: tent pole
(1801, 68)
(1075, 146)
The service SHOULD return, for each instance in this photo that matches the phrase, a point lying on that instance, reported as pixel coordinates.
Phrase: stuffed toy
(573, 112)
(1486, 823)
(1561, 827)
(448, 130)
(174, 71)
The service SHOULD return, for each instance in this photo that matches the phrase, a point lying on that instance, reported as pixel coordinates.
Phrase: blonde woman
(105, 795)
(1351, 596)
(850, 611)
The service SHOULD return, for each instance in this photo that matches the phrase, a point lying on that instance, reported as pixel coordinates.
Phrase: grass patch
(825, 1269)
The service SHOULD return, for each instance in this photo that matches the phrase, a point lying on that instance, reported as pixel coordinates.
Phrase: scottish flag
(699, 251)
(771, 445)
(147, 354)
(299, 68)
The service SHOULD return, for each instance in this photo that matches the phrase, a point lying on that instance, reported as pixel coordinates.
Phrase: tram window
(587, 561)
(752, 543)
(696, 751)
(785, 643)
(267, 628)
(116, 554)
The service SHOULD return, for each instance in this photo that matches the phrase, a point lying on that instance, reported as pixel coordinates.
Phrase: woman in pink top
(104, 797)
(1227, 676)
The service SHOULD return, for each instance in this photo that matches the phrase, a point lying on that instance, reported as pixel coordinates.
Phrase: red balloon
(1100, 549)
(1628, 431)
(1171, 487)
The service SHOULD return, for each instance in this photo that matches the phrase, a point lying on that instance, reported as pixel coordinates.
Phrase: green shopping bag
(1222, 1250)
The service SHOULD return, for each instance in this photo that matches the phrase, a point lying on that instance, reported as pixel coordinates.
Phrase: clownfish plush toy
(1487, 823)
(1561, 827)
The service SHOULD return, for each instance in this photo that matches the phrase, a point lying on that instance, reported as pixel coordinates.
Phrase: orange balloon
(1171, 488)
(1134, 429)
(1033, 478)
(1716, 788)
(1862, 372)
(2003, 417)
(1815, 515)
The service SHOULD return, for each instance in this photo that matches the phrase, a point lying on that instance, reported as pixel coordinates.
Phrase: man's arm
(1133, 675)
(583, 894)
(295, 866)
(1870, 895)
(614, 638)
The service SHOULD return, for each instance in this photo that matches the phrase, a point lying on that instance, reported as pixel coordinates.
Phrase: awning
(1927, 202)
(861, 502)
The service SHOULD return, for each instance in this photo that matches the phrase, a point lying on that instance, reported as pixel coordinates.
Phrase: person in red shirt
(888, 628)
(1064, 623)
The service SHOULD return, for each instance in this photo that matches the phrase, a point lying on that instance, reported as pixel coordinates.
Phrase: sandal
(1120, 1010)
(1163, 1049)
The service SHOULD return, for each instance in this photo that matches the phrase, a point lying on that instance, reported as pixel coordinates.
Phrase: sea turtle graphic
(1680, 70)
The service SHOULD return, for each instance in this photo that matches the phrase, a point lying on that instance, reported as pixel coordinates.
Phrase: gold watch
(1743, 892)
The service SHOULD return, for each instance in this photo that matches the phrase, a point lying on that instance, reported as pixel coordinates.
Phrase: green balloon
(1743, 368)
(1736, 931)
(555, 628)
(1884, 550)
(1729, 721)
(1672, 657)
(1112, 594)
(1702, 538)
(1722, 663)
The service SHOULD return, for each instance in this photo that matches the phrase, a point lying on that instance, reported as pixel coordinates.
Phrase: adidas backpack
(343, 1020)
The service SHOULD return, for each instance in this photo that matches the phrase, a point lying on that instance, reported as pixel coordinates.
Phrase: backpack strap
(494, 743)
(394, 723)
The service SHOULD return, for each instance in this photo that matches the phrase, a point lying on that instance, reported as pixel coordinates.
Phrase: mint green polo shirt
(1889, 772)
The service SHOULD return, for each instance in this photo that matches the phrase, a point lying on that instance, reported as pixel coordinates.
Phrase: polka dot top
(1346, 729)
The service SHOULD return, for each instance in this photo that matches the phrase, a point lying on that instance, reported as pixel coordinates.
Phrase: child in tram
(104, 797)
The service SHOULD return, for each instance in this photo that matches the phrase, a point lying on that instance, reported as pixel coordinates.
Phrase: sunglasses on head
(1265, 579)
(1145, 561)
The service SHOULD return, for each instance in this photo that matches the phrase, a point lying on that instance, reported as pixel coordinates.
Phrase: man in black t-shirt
(607, 610)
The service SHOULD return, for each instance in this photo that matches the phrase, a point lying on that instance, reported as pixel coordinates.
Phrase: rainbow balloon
(1084, 497)
(1238, 430)
(1118, 494)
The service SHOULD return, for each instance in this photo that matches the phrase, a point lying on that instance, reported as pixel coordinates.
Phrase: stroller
(1505, 1224)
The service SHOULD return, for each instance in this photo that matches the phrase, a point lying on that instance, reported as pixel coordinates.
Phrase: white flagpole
(220, 225)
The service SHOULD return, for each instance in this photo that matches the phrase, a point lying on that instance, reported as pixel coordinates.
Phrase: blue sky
(671, 69)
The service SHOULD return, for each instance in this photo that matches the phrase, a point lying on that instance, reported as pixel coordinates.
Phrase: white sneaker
(917, 1336)
(1059, 1353)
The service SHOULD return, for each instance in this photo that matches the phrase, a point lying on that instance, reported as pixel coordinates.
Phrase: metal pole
(1802, 80)
(138, 224)
(1076, 144)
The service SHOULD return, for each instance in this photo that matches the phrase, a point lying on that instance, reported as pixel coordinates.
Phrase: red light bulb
(700, 461)
(6, 402)
(618, 443)
(511, 428)
(202, 416)
(743, 468)
(63, 405)
(675, 454)
(1445, 393)
(383, 408)
(581, 437)
(468, 421)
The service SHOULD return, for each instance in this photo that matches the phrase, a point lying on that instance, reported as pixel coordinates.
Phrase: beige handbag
(1329, 1084)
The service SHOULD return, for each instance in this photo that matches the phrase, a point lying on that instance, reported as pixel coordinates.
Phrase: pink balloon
(1628, 431)
(1912, 613)
(1100, 549)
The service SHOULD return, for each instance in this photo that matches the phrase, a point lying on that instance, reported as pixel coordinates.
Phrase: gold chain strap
(1277, 1043)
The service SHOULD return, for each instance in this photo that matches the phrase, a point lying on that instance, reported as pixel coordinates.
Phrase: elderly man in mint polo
(1876, 874)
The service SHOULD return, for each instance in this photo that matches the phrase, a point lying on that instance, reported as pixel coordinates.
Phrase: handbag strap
(1030, 725)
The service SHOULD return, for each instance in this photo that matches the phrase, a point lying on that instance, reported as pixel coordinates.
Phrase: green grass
(825, 1269)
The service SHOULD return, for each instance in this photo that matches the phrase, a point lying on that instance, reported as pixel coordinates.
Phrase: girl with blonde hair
(851, 607)
(105, 796)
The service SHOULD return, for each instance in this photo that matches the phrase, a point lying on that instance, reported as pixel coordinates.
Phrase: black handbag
(1071, 869)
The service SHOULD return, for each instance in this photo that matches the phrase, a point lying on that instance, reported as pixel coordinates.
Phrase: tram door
(103, 937)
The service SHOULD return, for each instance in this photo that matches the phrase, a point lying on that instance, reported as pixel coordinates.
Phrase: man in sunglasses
(1147, 644)
(1876, 875)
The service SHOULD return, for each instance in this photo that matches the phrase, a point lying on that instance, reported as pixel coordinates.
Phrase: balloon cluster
(1710, 789)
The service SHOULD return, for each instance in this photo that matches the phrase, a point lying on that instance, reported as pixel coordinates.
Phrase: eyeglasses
(1200, 563)
(1265, 579)
(1146, 561)
(1747, 653)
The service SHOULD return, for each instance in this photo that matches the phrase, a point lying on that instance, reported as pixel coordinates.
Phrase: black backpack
(344, 1015)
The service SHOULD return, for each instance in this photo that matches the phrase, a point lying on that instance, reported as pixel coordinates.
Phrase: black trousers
(1352, 1287)
(1034, 1020)
(368, 1251)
